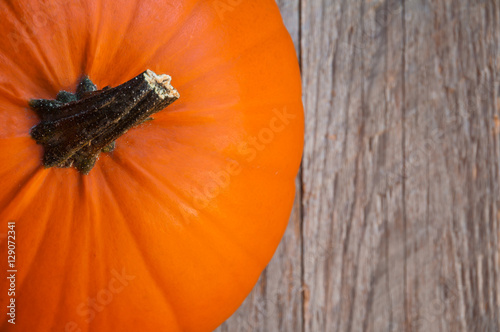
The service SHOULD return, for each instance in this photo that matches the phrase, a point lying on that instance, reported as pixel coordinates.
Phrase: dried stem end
(76, 128)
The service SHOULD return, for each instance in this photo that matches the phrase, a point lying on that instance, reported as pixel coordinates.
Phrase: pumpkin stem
(76, 128)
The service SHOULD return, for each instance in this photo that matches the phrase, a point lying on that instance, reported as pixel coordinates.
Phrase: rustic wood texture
(396, 223)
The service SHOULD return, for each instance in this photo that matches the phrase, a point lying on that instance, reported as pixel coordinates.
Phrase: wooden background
(396, 222)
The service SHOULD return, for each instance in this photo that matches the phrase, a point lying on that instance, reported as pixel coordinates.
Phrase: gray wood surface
(396, 222)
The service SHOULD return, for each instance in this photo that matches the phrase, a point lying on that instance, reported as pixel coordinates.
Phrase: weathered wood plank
(400, 193)
(349, 139)
(275, 303)
(452, 179)
(326, 58)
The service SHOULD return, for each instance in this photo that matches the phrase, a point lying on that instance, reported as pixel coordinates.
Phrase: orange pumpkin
(170, 231)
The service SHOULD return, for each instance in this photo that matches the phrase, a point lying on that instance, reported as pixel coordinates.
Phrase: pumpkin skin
(170, 231)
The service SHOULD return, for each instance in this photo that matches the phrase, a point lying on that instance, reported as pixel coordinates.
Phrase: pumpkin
(170, 230)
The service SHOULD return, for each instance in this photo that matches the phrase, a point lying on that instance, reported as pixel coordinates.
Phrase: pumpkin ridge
(20, 125)
(117, 48)
(224, 232)
(154, 178)
(128, 167)
(21, 280)
(77, 59)
(218, 68)
(208, 152)
(140, 250)
(36, 252)
(128, 28)
(51, 73)
(71, 57)
(7, 93)
(61, 308)
(72, 248)
(91, 45)
(19, 169)
(99, 237)
(230, 63)
(32, 180)
(38, 57)
(162, 120)
(147, 176)
(177, 28)
(138, 172)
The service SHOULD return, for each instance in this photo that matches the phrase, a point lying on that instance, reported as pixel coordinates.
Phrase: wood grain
(397, 219)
